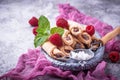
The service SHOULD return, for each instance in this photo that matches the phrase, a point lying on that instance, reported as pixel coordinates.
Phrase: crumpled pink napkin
(33, 63)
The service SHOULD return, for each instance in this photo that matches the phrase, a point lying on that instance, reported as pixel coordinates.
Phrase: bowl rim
(98, 56)
(77, 66)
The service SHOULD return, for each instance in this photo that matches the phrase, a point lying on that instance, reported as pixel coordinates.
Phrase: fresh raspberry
(62, 23)
(114, 56)
(90, 29)
(56, 39)
(33, 21)
(34, 30)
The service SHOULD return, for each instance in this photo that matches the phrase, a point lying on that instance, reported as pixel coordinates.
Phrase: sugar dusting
(81, 55)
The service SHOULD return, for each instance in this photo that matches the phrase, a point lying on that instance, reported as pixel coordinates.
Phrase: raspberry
(90, 30)
(62, 23)
(34, 30)
(33, 21)
(114, 56)
(56, 39)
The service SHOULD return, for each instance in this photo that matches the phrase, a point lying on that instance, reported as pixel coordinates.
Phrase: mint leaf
(43, 31)
(43, 25)
(40, 39)
(57, 30)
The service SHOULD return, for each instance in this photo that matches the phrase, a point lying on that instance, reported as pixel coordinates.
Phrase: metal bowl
(78, 65)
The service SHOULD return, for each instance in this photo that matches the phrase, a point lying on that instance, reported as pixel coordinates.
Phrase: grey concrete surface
(16, 34)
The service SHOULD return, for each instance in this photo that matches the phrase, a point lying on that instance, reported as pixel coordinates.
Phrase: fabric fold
(41, 66)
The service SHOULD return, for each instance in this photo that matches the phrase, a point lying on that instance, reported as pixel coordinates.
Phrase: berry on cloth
(34, 30)
(56, 39)
(62, 23)
(90, 30)
(114, 56)
(33, 21)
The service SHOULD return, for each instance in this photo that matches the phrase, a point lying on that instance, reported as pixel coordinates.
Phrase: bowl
(77, 65)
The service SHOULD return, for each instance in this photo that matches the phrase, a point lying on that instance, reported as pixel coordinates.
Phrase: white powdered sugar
(81, 55)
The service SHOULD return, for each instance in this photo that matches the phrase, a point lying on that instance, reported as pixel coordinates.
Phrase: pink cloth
(33, 63)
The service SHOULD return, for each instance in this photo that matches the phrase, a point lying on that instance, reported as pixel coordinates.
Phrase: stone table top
(16, 34)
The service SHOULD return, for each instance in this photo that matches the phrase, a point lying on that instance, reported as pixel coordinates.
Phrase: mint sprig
(43, 25)
(57, 30)
(40, 39)
(44, 31)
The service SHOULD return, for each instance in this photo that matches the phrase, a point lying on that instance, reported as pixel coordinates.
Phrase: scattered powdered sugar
(82, 63)
(81, 55)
